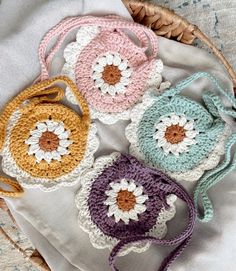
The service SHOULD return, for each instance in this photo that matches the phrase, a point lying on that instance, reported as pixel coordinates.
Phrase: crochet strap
(16, 189)
(215, 107)
(211, 178)
(60, 31)
(33, 95)
(181, 240)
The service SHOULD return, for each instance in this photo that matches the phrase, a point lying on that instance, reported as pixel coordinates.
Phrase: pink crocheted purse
(113, 61)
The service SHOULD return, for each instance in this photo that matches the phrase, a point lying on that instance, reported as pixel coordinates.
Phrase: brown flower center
(175, 134)
(48, 141)
(126, 200)
(111, 74)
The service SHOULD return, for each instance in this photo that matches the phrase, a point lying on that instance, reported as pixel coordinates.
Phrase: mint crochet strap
(60, 31)
(181, 240)
(215, 107)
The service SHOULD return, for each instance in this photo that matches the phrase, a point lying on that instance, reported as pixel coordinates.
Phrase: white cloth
(50, 219)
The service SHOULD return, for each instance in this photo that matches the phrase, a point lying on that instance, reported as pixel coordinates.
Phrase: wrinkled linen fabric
(50, 219)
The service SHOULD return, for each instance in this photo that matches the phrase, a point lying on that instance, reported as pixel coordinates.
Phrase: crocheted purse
(111, 71)
(44, 143)
(184, 138)
(124, 206)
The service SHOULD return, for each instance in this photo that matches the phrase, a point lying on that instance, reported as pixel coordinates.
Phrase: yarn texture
(44, 143)
(124, 206)
(111, 71)
(184, 138)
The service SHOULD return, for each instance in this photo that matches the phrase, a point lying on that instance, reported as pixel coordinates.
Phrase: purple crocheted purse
(124, 206)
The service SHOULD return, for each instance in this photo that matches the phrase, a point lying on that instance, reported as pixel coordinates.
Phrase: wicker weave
(163, 22)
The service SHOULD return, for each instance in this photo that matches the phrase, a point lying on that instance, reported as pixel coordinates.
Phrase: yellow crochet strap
(16, 190)
(39, 93)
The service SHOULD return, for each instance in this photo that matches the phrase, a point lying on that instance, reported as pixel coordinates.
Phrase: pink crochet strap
(59, 32)
(180, 240)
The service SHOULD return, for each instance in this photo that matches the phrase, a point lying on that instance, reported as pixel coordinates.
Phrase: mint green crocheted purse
(184, 138)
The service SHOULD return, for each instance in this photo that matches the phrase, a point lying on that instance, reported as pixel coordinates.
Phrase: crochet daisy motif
(119, 198)
(111, 72)
(126, 201)
(49, 141)
(175, 134)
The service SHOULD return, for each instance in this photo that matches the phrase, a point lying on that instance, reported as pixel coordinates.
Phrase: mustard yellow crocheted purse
(43, 143)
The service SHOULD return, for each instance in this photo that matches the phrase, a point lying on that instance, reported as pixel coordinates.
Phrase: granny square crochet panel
(111, 70)
(124, 206)
(43, 143)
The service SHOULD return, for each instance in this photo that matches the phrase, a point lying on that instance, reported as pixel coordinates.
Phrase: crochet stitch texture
(111, 71)
(124, 206)
(44, 143)
(182, 137)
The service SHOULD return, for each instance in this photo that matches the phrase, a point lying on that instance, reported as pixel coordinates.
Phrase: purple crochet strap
(180, 240)
(61, 30)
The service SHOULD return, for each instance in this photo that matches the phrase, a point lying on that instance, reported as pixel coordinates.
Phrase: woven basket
(163, 22)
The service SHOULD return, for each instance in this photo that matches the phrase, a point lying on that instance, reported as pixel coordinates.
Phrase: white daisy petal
(189, 141)
(65, 143)
(191, 134)
(182, 121)
(33, 149)
(56, 155)
(32, 140)
(59, 130)
(99, 82)
(159, 135)
(189, 125)
(105, 88)
(123, 65)
(112, 209)
(161, 127)
(110, 201)
(124, 184)
(125, 217)
(182, 147)
(140, 208)
(42, 127)
(161, 142)
(116, 60)
(174, 119)
(39, 155)
(97, 75)
(109, 59)
(133, 215)
(102, 61)
(111, 193)
(62, 150)
(131, 187)
(116, 186)
(36, 133)
(64, 135)
(166, 121)
(112, 90)
(138, 191)
(124, 81)
(48, 157)
(167, 148)
(51, 125)
(120, 88)
(126, 73)
(98, 68)
(141, 199)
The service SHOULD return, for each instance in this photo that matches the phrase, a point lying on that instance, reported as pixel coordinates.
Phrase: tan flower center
(126, 200)
(48, 141)
(175, 134)
(111, 74)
